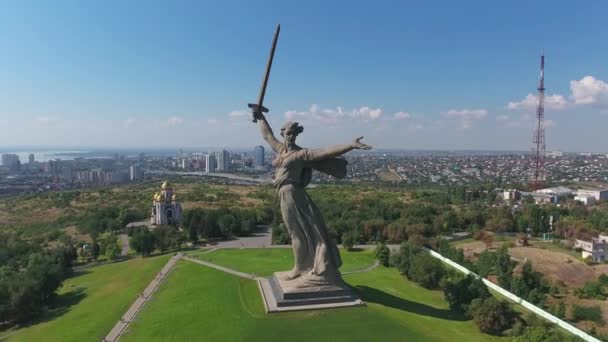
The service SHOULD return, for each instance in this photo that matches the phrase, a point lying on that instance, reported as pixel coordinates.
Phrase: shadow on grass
(58, 306)
(373, 295)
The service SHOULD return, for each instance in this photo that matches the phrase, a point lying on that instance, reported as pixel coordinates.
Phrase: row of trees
(29, 277)
(469, 296)
(223, 222)
(108, 219)
(162, 238)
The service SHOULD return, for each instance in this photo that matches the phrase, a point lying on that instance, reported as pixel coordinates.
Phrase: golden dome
(165, 185)
(174, 198)
(157, 196)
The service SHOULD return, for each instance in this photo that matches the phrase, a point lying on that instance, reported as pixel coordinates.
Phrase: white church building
(166, 210)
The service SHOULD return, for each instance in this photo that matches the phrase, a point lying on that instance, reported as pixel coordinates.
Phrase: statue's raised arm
(267, 133)
(336, 150)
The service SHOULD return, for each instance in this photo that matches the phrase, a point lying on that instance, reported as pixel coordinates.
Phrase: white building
(596, 249)
(166, 210)
(210, 163)
(558, 191)
(136, 173)
(223, 160)
(586, 200)
(511, 194)
(598, 194)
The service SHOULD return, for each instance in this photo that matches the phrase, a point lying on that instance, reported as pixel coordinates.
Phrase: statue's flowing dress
(317, 258)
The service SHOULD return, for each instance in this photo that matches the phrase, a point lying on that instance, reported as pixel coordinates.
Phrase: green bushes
(491, 315)
(593, 289)
(382, 254)
(419, 266)
(591, 313)
(29, 277)
(208, 223)
(348, 241)
(460, 292)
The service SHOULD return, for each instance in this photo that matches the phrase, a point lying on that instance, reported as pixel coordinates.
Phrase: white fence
(540, 312)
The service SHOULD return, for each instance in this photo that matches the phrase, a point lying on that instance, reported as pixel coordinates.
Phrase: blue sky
(418, 75)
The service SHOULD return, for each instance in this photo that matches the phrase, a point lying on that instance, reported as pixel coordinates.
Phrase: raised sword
(259, 107)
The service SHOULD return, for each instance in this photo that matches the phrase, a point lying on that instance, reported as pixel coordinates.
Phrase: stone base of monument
(280, 297)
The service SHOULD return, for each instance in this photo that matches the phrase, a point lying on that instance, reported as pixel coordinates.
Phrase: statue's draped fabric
(317, 258)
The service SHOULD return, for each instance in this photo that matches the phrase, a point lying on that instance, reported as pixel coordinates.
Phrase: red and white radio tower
(538, 167)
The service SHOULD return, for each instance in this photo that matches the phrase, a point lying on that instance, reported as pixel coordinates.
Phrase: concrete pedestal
(279, 296)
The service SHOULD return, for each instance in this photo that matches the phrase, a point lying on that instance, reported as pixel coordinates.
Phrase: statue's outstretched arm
(336, 150)
(267, 133)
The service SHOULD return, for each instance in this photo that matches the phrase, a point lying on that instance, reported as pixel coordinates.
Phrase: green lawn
(265, 261)
(89, 305)
(197, 303)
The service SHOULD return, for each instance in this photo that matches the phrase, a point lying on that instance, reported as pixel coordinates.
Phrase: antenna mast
(538, 168)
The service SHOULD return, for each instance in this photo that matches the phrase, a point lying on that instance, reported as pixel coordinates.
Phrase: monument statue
(314, 279)
(316, 256)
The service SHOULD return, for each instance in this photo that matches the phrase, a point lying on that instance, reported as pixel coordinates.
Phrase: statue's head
(289, 132)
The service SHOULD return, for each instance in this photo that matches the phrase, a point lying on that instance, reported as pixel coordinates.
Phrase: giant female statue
(317, 258)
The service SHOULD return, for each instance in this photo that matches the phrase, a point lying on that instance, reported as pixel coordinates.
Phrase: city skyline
(423, 77)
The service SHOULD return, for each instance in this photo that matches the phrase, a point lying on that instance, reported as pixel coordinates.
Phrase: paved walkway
(221, 268)
(123, 323)
(367, 269)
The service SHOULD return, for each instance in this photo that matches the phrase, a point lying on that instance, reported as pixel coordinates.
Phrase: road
(217, 175)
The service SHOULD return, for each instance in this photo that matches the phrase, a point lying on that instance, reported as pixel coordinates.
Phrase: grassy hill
(265, 261)
(89, 304)
(201, 304)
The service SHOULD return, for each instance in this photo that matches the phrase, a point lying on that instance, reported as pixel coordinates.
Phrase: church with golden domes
(166, 210)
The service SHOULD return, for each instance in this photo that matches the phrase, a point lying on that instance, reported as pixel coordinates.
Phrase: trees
(491, 315)
(348, 241)
(280, 235)
(95, 250)
(383, 254)
(165, 237)
(460, 292)
(425, 270)
(109, 245)
(142, 241)
(112, 250)
(486, 263)
(29, 277)
(530, 285)
(504, 267)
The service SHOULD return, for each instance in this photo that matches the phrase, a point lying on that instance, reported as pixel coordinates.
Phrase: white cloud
(329, 116)
(238, 113)
(175, 121)
(530, 102)
(589, 90)
(402, 116)
(212, 121)
(466, 116)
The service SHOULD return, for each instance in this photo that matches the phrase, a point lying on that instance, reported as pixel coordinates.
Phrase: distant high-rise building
(53, 167)
(184, 164)
(67, 173)
(136, 173)
(11, 161)
(210, 163)
(31, 159)
(258, 156)
(223, 160)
